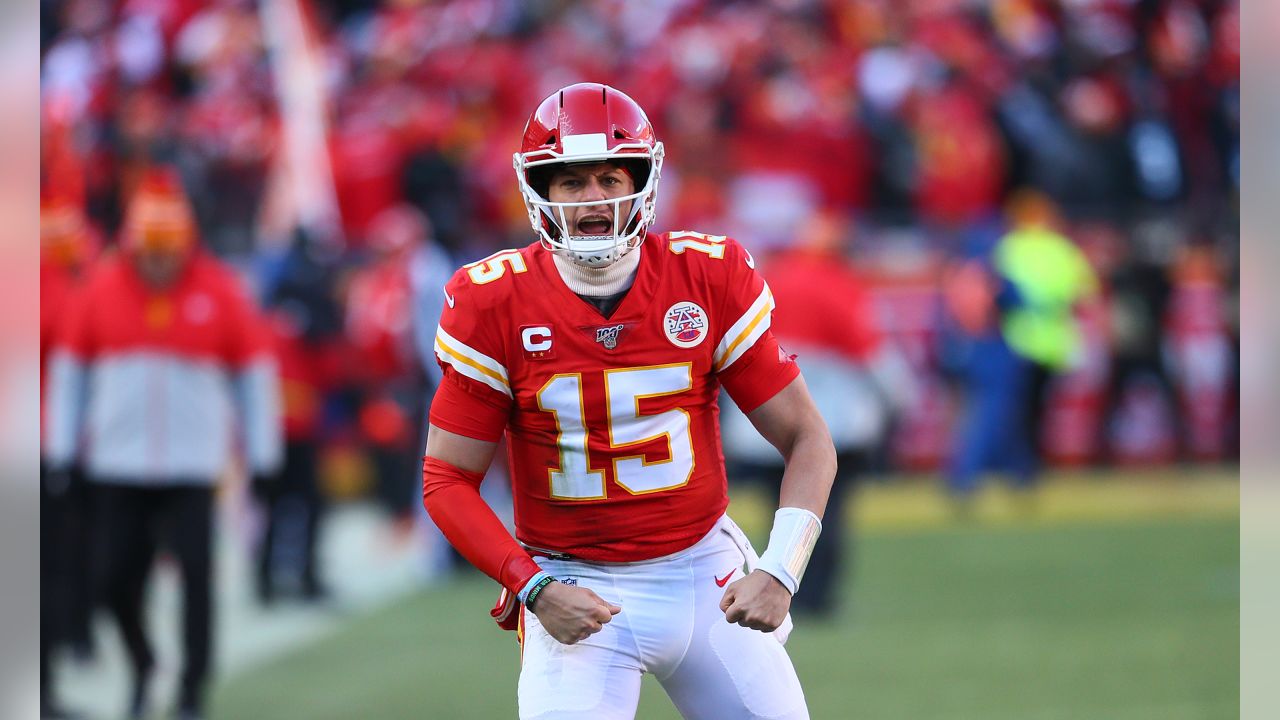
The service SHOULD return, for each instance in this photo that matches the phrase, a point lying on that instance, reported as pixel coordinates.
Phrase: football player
(598, 350)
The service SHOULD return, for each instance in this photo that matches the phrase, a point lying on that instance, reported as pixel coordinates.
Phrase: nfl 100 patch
(608, 336)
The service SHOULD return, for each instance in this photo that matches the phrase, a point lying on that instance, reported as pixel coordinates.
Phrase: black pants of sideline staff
(134, 522)
(64, 575)
(294, 507)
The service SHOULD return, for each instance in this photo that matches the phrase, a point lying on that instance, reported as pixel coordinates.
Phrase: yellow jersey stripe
(746, 333)
(455, 355)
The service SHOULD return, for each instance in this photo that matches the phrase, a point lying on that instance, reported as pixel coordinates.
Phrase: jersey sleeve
(750, 363)
(74, 332)
(251, 359)
(474, 398)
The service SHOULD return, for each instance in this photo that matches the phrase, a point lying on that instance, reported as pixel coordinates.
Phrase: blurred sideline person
(598, 351)
(305, 324)
(390, 382)
(160, 359)
(1048, 277)
(989, 432)
(429, 267)
(1018, 307)
(67, 249)
(293, 502)
(858, 381)
(1140, 293)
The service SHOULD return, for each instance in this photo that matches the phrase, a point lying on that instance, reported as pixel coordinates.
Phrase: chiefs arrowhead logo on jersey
(686, 324)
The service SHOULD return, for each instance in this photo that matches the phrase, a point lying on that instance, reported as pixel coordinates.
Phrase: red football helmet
(585, 123)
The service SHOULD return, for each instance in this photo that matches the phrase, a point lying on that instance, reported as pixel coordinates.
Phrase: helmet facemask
(550, 220)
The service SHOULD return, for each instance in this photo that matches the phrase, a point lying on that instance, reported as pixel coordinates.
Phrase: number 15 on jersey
(628, 428)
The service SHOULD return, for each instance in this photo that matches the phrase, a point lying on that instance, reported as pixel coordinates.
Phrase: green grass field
(1034, 614)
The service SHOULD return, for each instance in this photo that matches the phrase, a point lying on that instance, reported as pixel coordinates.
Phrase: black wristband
(536, 590)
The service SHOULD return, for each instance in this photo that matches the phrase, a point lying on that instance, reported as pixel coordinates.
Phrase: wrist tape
(795, 530)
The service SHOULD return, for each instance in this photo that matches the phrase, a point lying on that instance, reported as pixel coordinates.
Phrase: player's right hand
(571, 614)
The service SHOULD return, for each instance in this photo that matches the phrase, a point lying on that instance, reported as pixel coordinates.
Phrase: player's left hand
(757, 601)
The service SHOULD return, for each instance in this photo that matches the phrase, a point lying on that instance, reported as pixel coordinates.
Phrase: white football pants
(671, 625)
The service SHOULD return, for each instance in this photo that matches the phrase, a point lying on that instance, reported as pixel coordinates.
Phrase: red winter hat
(159, 217)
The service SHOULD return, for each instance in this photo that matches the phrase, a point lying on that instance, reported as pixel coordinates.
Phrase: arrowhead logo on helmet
(587, 123)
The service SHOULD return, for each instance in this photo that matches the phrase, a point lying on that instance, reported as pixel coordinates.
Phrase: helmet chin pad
(593, 251)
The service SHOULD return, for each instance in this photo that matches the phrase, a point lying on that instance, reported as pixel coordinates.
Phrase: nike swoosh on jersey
(721, 581)
(448, 298)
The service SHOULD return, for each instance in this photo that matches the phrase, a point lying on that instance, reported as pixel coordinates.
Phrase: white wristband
(524, 591)
(795, 530)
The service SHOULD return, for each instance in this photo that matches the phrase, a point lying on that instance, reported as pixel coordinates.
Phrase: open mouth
(594, 225)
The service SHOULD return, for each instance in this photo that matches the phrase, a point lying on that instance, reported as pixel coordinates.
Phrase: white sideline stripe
(744, 333)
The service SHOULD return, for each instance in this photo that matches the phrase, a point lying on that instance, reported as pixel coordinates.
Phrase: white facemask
(594, 251)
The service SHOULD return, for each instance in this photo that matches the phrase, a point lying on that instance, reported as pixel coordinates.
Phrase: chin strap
(598, 282)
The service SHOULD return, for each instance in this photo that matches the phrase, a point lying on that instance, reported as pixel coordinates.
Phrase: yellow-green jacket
(1050, 276)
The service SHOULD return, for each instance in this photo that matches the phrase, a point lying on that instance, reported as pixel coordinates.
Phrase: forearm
(810, 470)
(791, 422)
(452, 498)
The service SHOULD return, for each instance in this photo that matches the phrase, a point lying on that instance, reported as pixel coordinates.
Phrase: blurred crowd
(922, 110)
(342, 157)
(901, 112)
(912, 122)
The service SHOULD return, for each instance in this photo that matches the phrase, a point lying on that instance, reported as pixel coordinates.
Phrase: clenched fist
(757, 601)
(571, 614)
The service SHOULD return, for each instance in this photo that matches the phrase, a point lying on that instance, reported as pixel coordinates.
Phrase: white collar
(599, 282)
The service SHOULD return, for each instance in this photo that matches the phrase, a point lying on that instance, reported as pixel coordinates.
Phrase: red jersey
(612, 423)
